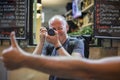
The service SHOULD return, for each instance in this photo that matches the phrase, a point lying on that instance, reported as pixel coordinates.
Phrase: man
(67, 67)
(58, 45)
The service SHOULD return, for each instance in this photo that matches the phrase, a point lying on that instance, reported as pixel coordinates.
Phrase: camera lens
(51, 32)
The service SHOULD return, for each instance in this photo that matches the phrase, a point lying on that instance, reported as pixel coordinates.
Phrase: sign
(107, 19)
(13, 17)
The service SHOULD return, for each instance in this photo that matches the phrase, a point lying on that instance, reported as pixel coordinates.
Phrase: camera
(51, 32)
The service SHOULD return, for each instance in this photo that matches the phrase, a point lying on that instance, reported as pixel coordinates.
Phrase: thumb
(13, 40)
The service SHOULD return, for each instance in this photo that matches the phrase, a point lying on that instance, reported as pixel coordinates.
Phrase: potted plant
(86, 30)
(87, 33)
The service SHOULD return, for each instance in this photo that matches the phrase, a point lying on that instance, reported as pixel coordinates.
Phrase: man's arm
(39, 47)
(68, 67)
(77, 50)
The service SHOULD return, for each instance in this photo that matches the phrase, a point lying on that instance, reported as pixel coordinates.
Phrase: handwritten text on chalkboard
(107, 18)
(13, 17)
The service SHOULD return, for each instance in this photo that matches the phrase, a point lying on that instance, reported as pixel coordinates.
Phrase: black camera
(51, 32)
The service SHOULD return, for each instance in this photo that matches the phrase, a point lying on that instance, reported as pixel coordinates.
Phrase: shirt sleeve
(79, 47)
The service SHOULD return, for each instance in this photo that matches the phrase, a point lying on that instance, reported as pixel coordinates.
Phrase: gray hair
(58, 17)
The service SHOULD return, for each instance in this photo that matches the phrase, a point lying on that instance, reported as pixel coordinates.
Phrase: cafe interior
(100, 38)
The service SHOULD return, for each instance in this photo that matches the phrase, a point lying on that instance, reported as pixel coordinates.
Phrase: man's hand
(54, 39)
(43, 32)
(12, 56)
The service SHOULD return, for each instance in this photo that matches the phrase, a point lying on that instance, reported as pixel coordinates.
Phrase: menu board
(13, 17)
(107, 19)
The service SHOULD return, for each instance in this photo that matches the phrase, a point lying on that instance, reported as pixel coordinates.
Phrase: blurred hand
(12, 56)
(43, 32)
(53, 39)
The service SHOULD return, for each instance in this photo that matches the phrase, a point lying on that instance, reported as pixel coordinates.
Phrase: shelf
(39, 6)
(68, 12)
(88, 7)
(89, 24)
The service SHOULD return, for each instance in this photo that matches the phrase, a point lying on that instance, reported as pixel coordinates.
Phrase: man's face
(59, 27)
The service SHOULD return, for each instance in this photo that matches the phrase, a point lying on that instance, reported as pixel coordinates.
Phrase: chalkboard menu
(13, 17)
(107, 19)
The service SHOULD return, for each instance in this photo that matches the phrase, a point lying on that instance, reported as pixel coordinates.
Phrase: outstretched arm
(69, 67)
(104, 69)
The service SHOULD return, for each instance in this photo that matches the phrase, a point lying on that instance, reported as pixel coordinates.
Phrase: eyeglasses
(58, 28)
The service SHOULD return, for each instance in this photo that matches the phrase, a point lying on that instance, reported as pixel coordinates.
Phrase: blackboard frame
(5, 31)
(104, 35)
(31, 22)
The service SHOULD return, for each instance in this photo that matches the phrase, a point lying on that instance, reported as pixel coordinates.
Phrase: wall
(108, 48)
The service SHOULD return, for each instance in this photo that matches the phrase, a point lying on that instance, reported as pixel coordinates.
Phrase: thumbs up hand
(14, 55)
